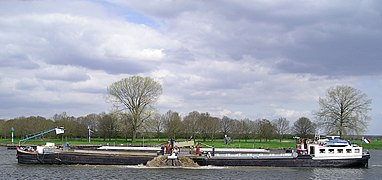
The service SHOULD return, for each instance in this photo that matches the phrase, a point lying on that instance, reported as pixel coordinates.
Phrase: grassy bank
(272, 144)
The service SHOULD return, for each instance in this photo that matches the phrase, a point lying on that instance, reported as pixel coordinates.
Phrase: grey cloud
(26, 85)
(179, 56)
(92, 90)
(110, 65)
(70, 76)
(11, 103)
(121, 67)
(62, 45)
(17, 61)
(323, 38)
(343, 55)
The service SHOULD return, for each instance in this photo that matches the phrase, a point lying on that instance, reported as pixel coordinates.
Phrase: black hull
(306, 161)
(79, 158)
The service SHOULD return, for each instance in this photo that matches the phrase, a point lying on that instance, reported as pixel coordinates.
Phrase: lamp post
(12, 132)
(89, 132)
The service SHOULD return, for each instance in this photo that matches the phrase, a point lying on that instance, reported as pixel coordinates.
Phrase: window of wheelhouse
(322, 151)
(331, 150)
(348, 150)
(340, 150)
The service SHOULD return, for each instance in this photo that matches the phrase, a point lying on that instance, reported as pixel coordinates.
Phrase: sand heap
(162, 161)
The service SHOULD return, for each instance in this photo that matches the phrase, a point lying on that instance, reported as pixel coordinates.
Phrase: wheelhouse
(333, 149)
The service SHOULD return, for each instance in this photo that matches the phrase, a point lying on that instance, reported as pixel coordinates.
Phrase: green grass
(375, 144)
(272, 144)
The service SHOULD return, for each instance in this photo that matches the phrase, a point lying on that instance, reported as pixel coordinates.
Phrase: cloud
(258, 59)
(322, 38)
(64, 73)
(115, 46)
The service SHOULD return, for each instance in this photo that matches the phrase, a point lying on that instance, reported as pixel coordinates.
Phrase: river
(10, 169)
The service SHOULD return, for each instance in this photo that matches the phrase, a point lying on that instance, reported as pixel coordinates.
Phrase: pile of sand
(157, 162)
(162, 161)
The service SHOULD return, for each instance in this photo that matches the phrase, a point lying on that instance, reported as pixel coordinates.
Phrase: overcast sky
(242, 59)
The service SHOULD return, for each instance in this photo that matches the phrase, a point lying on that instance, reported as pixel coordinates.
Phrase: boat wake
(174, 167)
(141, 166)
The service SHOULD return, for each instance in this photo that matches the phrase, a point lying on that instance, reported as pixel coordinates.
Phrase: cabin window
(348, 150)
(322, 150)
(356, 150)
(340, 150)
(331, 150)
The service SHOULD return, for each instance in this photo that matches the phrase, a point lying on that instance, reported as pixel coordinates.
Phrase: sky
(242, 59)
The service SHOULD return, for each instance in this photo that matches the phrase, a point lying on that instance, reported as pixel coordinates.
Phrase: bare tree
(204, 126)
(107, 126)
(281, 126)
(344, 110)
(266, 129)
(237, 130)
(91, 120)
(255, 126)
(155, 124)
(68, 122)
(246, 128)
(124, 124)
(172, 123)
(213, 127)
(227, 125)
(135, 95)
(304, 127)
(190, 124)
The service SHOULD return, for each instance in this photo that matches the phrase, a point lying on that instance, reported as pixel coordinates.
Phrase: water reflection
(338, 173)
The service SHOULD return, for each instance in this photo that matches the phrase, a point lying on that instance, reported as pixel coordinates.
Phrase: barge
(52, 155)
(320, 153)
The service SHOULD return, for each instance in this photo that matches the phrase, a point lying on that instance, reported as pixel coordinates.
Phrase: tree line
(168, 125)
(343, 111)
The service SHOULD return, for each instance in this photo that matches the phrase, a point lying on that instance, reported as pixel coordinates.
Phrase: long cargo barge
(329, 153)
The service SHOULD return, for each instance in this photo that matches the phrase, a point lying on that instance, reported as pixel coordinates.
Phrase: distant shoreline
(376, 143)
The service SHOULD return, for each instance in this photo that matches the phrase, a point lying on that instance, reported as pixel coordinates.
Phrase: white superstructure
(333, 149)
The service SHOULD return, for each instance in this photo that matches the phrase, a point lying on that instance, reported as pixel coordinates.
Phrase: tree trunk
(134, 135)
